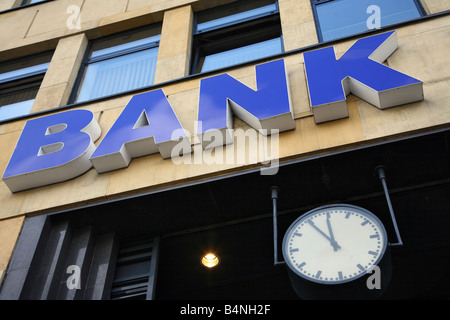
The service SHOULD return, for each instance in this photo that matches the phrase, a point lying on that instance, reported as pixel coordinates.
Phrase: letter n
(222, 97)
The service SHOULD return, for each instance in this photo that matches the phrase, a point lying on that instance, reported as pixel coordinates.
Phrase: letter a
(144, 127)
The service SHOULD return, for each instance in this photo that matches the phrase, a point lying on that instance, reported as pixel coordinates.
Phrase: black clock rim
(328, 207)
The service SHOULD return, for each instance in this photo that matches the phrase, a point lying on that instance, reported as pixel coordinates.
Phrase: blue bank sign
(59, 147)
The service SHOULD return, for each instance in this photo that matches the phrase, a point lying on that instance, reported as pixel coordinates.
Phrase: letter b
(52, 149)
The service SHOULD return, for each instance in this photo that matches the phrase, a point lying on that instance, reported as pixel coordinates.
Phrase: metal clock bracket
(274, 193)
(379, 172)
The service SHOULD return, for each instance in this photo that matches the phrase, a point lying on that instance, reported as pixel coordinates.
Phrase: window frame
(50, 243)
(315, 3)
(198, 49)
(87, 60)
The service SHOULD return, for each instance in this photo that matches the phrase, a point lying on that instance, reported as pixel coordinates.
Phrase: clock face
(334, 244)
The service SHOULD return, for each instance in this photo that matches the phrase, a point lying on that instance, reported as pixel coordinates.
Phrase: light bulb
(210, 260)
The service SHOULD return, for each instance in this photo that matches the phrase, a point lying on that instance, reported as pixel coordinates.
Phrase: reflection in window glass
(13, 110)
(242, 54)
(120, 74)
(13, 74)
(341, 18)
(119, 64)
(25, 2)
(17, 97)
(122, 44)
(240, 32)
(19, 83)
(223, 18)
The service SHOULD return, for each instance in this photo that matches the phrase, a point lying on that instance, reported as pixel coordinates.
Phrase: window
(19, 83)
(340, 18)
(236, 33)
(81, 257)
(118, 64)
(134, 275)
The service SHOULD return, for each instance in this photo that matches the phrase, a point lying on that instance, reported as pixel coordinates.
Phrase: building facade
(131, 215)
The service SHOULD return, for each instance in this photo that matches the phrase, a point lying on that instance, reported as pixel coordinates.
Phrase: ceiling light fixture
(210, 260)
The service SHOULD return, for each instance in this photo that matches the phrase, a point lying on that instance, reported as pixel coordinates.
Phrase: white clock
(334, 244)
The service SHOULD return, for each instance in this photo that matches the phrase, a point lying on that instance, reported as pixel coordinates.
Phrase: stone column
(174, 54)
(61, 74)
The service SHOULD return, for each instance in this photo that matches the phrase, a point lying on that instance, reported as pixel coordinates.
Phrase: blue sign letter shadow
(359, 71)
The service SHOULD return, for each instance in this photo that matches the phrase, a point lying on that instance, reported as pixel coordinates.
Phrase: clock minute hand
(334, 244)
(330, 230)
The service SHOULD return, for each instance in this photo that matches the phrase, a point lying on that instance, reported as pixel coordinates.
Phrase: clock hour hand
(333, 243)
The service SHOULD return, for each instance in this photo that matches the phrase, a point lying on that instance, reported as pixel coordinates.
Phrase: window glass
(124, 43)
(19, 83)
(25, 2)
(236, 33)
(235, 14)
(341, 18)
(12, 110)
(242, 54)
(24, 67)
(11, 75)
(119, 74)
(120, 64)
(134, 271)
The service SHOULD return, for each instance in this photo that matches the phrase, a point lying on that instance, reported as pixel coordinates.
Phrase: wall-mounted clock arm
(274, 194)
(381, 174)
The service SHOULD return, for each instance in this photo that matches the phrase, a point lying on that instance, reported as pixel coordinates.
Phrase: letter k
(359, 71)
